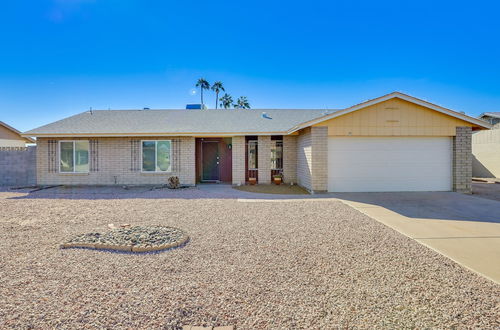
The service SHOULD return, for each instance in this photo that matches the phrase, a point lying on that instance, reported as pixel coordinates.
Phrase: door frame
(218, 161)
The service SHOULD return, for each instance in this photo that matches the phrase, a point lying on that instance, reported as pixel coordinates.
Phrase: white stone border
(127, 248)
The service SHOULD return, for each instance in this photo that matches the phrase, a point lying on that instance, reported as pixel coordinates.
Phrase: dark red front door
(210, 161)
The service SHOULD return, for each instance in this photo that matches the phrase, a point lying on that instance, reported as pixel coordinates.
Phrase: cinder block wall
(290, 158)
(264, 158)
(462, 160)
(18, 167)
(238, 157)
(115, 164)
(486, 153)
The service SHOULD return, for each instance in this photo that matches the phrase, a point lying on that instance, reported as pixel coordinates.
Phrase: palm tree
(203, 84)
(242, 103)
(226, 101)
(217, 87)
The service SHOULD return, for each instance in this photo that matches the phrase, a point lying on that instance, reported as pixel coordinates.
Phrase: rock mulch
(134, 239)
(191, 327)
(282, 265)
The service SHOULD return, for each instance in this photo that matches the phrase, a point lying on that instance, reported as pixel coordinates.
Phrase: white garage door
(389, 164)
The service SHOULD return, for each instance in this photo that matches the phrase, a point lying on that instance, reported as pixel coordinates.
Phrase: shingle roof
(490, 114)
(130, 122)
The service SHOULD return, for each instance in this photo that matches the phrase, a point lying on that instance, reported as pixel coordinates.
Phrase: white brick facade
(114, 164)
(304, 158)
(290, 158)
(238, 156)
(312, 157)
(304, 161)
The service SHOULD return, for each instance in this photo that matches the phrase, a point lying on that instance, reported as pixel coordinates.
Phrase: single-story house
(486, 148)
(392, 143)
(11, 137)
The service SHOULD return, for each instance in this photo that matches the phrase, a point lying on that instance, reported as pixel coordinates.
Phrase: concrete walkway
(462, 227)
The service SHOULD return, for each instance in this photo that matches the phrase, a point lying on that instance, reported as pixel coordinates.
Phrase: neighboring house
(491, 117)
(486, 148)
(11, 137)
(393, 143)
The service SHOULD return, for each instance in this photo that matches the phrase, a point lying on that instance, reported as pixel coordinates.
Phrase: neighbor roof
(178, 122)
(490, 114)
(12, 129)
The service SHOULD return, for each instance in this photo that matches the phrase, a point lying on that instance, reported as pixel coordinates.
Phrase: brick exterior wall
(290, 158)
(312, 159)
(319, 138)
(115, 159)
(462, 160)
(238, 150)
(264, 158)
(304, 158)
(18, 166)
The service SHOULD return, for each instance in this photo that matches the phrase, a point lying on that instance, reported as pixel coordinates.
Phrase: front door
(210, 161)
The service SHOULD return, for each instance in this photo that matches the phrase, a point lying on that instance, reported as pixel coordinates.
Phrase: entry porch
(236, 159)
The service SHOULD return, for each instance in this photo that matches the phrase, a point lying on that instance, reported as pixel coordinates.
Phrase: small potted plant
(277, 179)
(252, 181)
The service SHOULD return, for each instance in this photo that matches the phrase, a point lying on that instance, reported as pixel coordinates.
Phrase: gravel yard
(256, 265)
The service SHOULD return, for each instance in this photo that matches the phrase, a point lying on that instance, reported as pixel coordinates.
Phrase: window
(276, 155)
(74, 156)
(156, 156)
(252, 155)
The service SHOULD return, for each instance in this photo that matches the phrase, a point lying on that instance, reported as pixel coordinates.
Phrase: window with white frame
(74, 156)
(157, 156)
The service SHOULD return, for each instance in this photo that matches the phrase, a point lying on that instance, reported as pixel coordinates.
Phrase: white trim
(156, 155)
(74, 158)
(402, 96)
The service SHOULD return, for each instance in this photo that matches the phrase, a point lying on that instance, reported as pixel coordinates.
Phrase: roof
(221, 122)
(490, 114)
(177, 122)
(386, 97)
(27, 139)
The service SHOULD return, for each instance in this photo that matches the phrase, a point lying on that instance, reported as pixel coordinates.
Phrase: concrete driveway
(461, 227)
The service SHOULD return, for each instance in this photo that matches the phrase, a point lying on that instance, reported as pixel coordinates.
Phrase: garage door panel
(389, 164)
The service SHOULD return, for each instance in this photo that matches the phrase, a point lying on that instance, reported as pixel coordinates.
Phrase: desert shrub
(173, 182)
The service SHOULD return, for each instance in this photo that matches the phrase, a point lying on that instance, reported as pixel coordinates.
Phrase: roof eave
(196, 134)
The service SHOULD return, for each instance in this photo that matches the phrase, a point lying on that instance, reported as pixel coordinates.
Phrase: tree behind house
(226, 101)
(217, 87)
(242, 103)
(203, 84)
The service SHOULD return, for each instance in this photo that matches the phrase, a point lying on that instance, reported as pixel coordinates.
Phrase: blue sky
(60, 57)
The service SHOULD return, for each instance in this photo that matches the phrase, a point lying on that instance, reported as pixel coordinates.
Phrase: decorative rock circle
(132, 239)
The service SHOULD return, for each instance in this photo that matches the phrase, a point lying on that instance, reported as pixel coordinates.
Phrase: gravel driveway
(290, 264)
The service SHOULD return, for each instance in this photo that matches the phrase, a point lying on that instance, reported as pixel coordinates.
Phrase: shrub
(173, 182)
